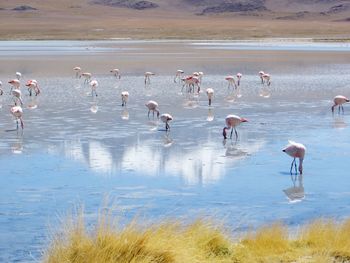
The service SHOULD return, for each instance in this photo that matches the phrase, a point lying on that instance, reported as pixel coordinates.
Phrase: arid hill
(191, 19)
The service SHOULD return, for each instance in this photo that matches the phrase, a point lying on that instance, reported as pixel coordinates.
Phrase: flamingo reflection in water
(296, 193)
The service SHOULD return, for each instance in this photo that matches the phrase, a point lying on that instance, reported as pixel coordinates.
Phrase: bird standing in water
(152, 106)
(339, 101)
(125, 97)
(17, 112)
(210, 94)
(232, 121)
(295, 150)
(166, 117)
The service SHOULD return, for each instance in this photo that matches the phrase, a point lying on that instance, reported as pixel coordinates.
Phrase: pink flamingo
(152, 106)
(239, 76)
(148, 77)
(77, 72)
(116, 73)
(339, 101)
(295, 150)
(18, 75)
(32, 84)
(231, 82)
(17, 112)
(15, 83)
(190, 82)
(232, 121)
(166, 117)
(210, 94)
(125, 97)
(94, 85)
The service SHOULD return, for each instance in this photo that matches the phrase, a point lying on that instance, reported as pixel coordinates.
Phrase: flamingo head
(244, 120)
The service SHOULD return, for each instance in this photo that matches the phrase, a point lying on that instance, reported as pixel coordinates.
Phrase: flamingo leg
(236, 133)
(291, 167)
(231, 133)
(153, 114)
(295, 166)
(342, 107)
(17, 124)
(148, 113)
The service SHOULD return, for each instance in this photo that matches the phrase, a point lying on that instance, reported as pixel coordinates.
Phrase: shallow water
(78, 149)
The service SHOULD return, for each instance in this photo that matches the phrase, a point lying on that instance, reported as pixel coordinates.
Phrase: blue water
(78, 150)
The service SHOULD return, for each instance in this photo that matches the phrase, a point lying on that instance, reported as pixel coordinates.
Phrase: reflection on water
(295, 193)
(210, 116)
(125, 114)
(17, 146)
(339, 123)
(265, 92)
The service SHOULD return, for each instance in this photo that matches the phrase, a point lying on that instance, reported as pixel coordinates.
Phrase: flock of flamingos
(190, 83)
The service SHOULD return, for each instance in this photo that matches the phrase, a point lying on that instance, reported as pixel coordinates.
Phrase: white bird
(266, 79)
(87, 77)
(148, 77)
(15, 83)
(77, 72)
(178, 75)
(261, 73)
(17, 96)
(17, 112)
(18, 75)
(152, 106)
(116, 73)
(94, 85)
(125, 97)
(166, 117)
(339, 101)
(239, 76)
(210, 94)
(231, 122)
(295, 150)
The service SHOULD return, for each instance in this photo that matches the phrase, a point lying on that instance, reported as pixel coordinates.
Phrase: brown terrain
(174, 19)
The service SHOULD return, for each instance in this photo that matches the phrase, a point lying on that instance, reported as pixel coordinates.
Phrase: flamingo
(261, 73)
(152, 106)
(32, 84)
(210, 94)
(239, 76)
(17, 112)
(125, 97)
(339, 101)
(15, 83)
(295, 150)
(116, 73)
(1, 91)
(17, 96)
(166, 117)
(77, 72)
(266, 78)
(87, 77)
(18, 75)
(191, 82)
(231, 82)
(178, 75)
(148, 77)
(94, 85)
(231, 122)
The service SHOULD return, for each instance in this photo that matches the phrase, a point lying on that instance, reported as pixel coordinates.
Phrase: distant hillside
(94, 19)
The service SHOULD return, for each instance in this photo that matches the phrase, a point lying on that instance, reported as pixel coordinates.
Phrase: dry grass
(200, 241)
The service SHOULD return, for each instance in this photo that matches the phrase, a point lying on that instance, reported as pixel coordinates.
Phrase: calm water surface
(76, 149)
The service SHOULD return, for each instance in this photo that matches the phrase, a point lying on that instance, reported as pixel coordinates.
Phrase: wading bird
(152, 106)
(231, 82)
(190, 82)
(166, 117)
(32, 85)
(231, 122)
(239, 76)
(295, 150)
(17, 112)
(178, 75)
(94, 85)
(261, 73)
(87, 76)
(125, 97)
(210, 94)
(116, 73)
(339, 101)
(15, 84)
(148, 77)
(18, 75)
(77, 72)
(266, 79)
(1, 91)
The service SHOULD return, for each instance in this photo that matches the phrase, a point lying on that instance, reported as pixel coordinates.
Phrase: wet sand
(78, 149)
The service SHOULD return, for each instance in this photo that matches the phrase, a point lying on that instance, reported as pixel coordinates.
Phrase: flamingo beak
(244, 120)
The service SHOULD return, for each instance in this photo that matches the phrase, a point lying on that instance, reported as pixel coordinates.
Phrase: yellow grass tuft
(200, 241)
